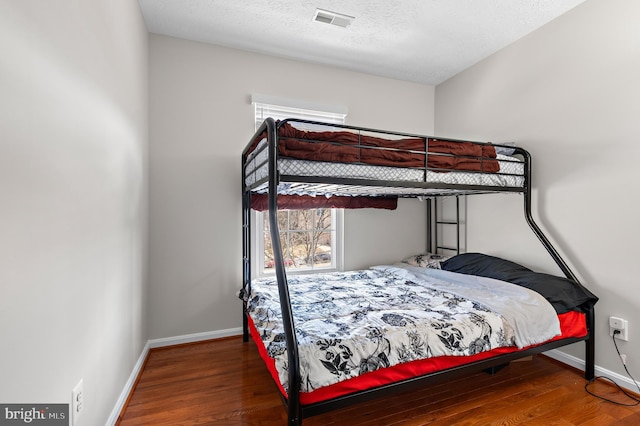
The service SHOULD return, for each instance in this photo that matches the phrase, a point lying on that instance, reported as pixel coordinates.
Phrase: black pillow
(565, 295)
(482, 265)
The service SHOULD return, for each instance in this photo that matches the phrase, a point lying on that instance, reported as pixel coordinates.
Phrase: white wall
(73, 138)
(200, 120)
(568, 93)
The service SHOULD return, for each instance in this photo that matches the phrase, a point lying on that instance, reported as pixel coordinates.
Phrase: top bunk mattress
(310, 160)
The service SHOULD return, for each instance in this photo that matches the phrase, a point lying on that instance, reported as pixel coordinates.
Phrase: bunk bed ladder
(438, 222)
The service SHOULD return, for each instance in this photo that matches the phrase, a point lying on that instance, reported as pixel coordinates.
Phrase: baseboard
(196, 337)
(158, 343)
(575, 362)
(128, 387)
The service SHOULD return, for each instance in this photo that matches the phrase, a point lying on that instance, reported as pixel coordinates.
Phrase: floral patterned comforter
(350, 323)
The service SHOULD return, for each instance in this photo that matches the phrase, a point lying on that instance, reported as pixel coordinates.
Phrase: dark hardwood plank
(224, 382)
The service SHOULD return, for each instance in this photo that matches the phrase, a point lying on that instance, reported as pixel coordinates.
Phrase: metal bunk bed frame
(295, 411)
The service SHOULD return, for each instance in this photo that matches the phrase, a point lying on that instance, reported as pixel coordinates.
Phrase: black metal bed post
(246, 258)
(246, 250)
(430, 225)
(590, 347)
(589, 360)
(293, 393)
(534, 226)
(435, 223)
(458, 224)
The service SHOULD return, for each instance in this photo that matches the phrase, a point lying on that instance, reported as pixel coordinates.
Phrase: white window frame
(337, 246)
(280, 108)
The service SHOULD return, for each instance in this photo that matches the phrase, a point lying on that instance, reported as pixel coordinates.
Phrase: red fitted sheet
(572, 324)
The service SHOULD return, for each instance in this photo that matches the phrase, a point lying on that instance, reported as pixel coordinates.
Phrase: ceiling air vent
(333, 18)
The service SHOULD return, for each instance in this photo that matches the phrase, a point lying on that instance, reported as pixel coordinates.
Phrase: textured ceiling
(425, 41)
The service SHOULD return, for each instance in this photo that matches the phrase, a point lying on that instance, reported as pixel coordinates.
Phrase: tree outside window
(307, 239)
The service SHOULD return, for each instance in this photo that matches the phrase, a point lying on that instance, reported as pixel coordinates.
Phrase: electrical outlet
(77, 402)
(621, 325)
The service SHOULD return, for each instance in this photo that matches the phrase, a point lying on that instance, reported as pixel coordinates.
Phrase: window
(280, 108)
(308, 239)
(311, 239)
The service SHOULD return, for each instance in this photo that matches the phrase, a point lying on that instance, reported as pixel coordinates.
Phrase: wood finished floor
(224, 382)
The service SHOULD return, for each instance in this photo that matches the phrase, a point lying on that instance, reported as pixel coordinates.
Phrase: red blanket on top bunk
(349, 147)
(260, 202)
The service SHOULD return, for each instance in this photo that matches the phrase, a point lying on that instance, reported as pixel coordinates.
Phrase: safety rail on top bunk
(424, 186)
(426, 189)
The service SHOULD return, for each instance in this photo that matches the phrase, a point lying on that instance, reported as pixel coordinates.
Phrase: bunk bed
(305, 164)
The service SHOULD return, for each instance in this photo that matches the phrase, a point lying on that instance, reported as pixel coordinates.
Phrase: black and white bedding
(354, 322)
